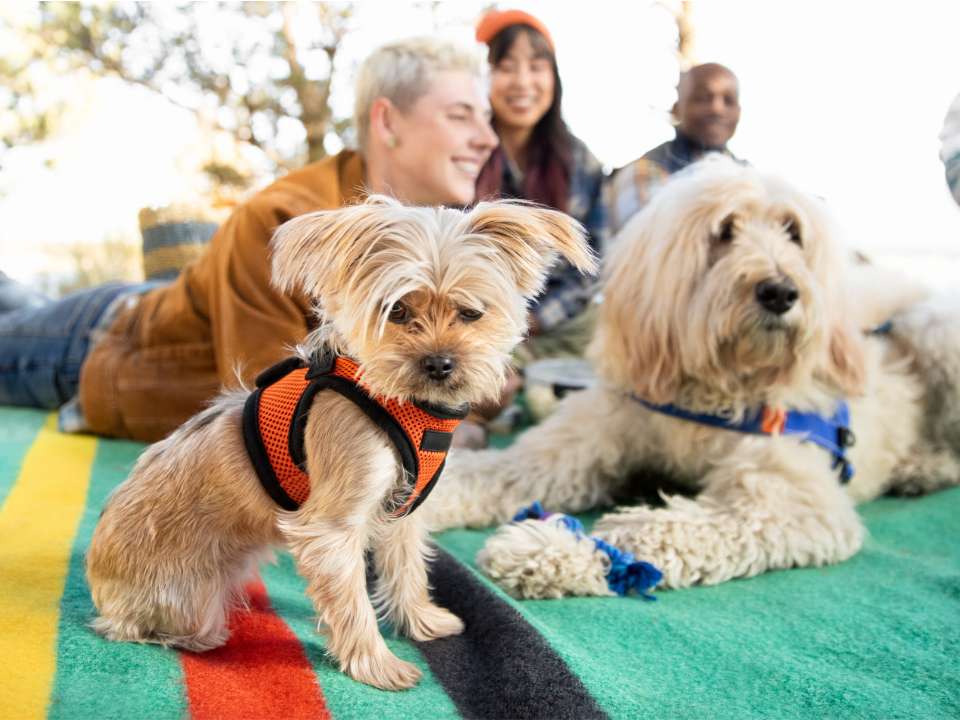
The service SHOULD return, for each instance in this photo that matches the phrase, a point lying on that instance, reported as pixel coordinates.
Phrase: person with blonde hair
(137, 360)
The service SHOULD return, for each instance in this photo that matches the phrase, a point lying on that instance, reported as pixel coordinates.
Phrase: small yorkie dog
(419, 309)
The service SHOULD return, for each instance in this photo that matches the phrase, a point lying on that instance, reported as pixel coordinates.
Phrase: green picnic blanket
(875, 637)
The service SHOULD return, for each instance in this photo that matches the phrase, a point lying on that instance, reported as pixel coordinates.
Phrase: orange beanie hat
(496, 20)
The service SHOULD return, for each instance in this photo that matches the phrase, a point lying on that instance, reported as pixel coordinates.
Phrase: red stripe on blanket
(261, 672)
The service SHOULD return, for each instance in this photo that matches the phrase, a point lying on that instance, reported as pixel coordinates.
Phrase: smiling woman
(541, 161)
(426, 142)
(435, 149)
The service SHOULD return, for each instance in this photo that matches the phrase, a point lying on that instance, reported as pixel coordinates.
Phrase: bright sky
(846, 99)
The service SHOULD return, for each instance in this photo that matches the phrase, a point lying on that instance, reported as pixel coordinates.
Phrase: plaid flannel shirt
(567, 291)
(631, 187)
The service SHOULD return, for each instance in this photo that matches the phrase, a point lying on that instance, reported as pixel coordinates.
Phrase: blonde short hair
(401, 72)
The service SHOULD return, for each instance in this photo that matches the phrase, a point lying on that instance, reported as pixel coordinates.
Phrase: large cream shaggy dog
(729, 293)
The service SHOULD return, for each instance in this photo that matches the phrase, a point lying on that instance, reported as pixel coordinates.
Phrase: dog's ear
(529, 238)
(847, 301)
(636, 349)
(846, 365)
(637, 344)
(315, 252)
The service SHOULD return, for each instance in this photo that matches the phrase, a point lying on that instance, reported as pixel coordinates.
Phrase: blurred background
(113, 115)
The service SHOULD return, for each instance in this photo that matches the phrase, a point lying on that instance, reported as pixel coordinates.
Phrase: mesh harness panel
(275, 418)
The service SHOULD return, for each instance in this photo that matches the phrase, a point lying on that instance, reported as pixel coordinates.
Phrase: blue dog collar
(832, 433)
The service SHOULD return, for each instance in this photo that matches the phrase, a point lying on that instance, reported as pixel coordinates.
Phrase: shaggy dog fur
(683, 322)
(397, 286)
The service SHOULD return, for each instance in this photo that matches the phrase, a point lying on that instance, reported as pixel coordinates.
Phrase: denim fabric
(42, 348)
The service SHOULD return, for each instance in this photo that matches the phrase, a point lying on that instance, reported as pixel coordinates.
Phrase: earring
(391, 141)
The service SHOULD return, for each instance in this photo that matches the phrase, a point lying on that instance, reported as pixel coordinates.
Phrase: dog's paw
(433, 622)
(125, 631)
(382, 669)
(687, 549)
(536, 559)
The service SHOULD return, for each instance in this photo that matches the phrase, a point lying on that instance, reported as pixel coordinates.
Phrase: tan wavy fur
(682, 322)
(394, 285)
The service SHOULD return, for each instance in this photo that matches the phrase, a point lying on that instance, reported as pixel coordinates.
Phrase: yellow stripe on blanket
(37, 527)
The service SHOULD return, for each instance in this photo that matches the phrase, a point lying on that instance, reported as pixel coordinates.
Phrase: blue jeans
(42, 348)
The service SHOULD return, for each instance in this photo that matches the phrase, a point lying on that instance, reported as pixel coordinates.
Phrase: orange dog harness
(275, 417)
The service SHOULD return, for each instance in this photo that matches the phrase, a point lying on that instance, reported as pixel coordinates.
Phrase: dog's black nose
(777, 296)
(438, 367)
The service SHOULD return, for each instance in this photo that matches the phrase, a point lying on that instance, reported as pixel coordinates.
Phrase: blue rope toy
(625, 573)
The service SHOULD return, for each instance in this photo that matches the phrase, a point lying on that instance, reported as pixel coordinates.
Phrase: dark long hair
(547, 177)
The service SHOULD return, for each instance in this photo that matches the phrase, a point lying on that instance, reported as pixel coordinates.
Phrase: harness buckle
(322, 363)
(846, 438)
(846, 469)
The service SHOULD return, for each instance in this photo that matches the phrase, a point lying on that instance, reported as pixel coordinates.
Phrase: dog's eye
(793, 230)
(469, 314)
(725, 233)
(399, 313)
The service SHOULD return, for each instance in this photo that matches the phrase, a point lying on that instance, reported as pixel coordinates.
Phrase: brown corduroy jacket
(163, 359)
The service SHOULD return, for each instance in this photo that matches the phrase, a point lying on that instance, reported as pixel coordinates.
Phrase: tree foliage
(25, 114)
(261, 71)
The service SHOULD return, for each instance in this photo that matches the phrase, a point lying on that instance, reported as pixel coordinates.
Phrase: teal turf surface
(875, 637)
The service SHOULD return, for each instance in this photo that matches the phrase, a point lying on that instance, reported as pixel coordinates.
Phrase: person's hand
(469, 434)
(489, 410)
